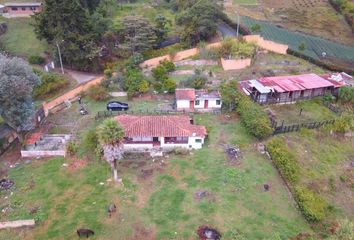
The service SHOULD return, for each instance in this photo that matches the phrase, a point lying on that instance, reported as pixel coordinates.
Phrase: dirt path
(71, 94)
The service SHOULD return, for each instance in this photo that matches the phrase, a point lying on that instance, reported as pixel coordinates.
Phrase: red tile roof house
(189, 99)
(288, 89)
(21, 9)
(144, 133)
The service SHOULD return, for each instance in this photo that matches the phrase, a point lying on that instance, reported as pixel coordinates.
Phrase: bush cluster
(283, 159)
(253, 117)
(135, 82)
(35, 59)
(98, 93)
(312, 206)
(197, 81)
(343, 124)
(162, 80)
(50, 82)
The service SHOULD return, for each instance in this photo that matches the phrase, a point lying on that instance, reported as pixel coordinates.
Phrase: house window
(14, 8)
(23, 9)
(218, 102)
(33, 8)
(197, 102)
(198, 140)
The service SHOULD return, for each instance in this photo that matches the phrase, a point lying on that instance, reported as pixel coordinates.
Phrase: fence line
(296, 127)
(106, 114)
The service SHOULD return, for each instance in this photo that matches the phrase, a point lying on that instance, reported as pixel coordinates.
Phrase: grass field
(325, 163)
(312, 111)
(20, 39)
(162, 204)
(245, 2)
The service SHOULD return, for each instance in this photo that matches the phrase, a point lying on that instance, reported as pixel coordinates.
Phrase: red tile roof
(159, 126)
(33, 138)
(185, 94)
(295, 83)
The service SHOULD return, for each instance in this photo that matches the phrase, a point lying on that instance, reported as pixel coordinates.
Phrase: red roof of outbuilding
(185, 94)
(295, 83)
(159, 126)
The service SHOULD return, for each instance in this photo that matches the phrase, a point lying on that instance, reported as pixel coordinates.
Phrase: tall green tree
(110, 135)
(139, 35)
(67, 23)
(200, 21)
(17, 81)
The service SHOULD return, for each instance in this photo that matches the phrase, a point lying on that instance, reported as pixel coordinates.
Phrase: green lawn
(162, 205)
(312, 111)
(325, 167)
(20, 38)
(245, 2)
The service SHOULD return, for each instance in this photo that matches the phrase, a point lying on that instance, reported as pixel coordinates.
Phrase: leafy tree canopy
(69, 24)
(109, 132)
(200, 21)
(17, 81)
(139, 35)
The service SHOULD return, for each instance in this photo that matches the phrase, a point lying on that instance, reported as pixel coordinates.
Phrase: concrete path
(226, 30)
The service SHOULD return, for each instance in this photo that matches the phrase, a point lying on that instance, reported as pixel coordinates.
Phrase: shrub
(181, 151)
(168, 65)
(160, 73)
(232, 48)
(135, 82)
(197, 81)
(256, 28)
(35, 59)
(346, 95)
(98, 93)
(108, 73)
(312, 206)
(50, 82)
(253, 117)
(72, 148)
(283, 159)
(170, 85)
(343, 124)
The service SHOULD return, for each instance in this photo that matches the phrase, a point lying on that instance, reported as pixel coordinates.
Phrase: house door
(206, 104)
(191, 105)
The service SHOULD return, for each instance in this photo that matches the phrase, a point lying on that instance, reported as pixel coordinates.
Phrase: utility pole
(61, 61)
(238, 24)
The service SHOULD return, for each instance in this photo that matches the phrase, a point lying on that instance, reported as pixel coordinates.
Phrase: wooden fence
(296, 127)
(107, 114)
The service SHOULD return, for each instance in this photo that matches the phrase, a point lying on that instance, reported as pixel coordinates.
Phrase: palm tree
(110, 135)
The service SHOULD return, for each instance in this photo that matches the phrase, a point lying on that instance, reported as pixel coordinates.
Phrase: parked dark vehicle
(117, 106)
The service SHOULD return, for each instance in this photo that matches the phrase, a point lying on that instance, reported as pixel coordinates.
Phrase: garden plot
(315, 17)
(301, 112)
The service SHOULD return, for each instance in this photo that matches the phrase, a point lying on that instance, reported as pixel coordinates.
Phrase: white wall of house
(193, 143)
(183, 104)
(212, 104)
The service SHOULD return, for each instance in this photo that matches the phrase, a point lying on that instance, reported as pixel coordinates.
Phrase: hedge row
(284, 160)
(326, 65)
(50, 83)
(312, 206)
(253, 117)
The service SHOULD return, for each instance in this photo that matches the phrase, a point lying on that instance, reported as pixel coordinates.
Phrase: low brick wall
(70, 95)
(235, 64)
(19, 223)
(154, 61)
(267, 45)
(61, 153)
